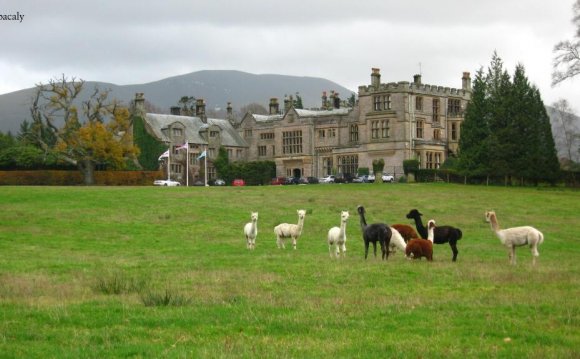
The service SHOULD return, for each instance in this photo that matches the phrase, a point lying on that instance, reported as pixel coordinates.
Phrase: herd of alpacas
(401, 237)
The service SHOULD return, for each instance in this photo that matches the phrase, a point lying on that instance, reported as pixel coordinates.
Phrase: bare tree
(566, 121)
(567, 53)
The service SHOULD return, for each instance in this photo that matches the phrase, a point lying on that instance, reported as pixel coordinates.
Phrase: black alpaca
(376, 232)
(443, 234)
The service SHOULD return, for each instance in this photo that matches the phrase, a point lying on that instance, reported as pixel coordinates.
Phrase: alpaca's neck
(342, 228)
(363, 222)
(431, 234)
(420, 227)
(300, 224)
(254, 226)
(494, 223)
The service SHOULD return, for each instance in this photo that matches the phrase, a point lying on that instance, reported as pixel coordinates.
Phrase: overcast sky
(130, 42)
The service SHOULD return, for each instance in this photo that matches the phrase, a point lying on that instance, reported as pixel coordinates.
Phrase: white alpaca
(516, 237)
(251, 231)
(397, 241)
(337, 236)
(286, 230)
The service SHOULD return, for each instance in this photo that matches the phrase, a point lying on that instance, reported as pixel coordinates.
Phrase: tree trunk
(87, 168)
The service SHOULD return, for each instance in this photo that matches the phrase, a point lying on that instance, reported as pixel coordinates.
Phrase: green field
(150, 272)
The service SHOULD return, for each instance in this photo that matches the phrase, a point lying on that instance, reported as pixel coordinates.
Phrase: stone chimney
(324, 100)
(376, 77)
(288, 103)
(175, 110)
(274, 106)
(229, 111)
(417, 79)
(466, 82)
(200, 109)
(336, 100)
(139, 103)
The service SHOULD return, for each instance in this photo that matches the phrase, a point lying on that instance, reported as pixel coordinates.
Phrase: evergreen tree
(475, 132)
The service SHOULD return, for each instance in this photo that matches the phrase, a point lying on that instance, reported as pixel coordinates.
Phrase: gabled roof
(192, 126)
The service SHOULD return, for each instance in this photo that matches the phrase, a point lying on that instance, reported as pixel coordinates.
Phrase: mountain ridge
(216, 87)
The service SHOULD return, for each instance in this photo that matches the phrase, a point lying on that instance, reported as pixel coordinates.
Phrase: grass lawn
(151, 272)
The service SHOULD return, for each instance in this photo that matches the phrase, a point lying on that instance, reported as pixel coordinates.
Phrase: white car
(167, 183)
(327, 179)
(388, 178)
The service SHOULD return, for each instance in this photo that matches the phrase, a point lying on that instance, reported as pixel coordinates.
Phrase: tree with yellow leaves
(102, 137)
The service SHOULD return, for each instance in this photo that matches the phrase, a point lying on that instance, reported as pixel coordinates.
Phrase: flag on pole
(185, 146)
(203, 154)
(164, 155)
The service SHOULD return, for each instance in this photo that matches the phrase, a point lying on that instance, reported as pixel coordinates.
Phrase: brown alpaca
(406, 231)
(420, 247)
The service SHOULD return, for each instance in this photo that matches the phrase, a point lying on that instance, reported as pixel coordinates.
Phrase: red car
(238, 182)
(278, 181)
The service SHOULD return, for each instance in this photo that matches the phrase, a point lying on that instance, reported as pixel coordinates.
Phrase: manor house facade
(390, 121)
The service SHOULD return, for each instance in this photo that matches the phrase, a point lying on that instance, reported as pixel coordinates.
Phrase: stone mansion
(390, 121)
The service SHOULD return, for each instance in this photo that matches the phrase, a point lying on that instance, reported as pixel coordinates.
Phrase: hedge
(73, 178)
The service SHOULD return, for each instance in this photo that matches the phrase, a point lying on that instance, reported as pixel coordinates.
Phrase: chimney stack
(376, 77)
(139, 103)
(288, 101)
(200, 109)
(324, 99)
(417, 79)
(229, 111)
(466, 82)
(336, 100)
(274, 106)
(175, 110)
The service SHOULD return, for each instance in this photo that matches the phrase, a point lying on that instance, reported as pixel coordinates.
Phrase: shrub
(410, 166)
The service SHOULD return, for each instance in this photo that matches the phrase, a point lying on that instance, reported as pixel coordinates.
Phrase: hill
(217, 87)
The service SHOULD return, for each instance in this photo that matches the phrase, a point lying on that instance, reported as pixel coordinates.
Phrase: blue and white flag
(203, 154)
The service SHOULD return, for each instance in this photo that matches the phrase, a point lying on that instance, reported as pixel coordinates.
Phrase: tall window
(239, 153)
(292, 142)
(348, 164)
(321, 133)
(385, 129)
(353, 133)
(230, 153)
(327, 166)
(332, 132)
(375, 129)
(387, 102)
(211, 172)
(261, 150)
(454, 131)
(211, 152)
(420, 125)
(454, 107)
(437, 134)
(419, 103)
(436, 110)
(248, 133)
(433, 160)
(273, 150)
(377, 102)
(429, 160)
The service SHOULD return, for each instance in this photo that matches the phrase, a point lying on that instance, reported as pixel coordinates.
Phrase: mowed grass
(164, 272)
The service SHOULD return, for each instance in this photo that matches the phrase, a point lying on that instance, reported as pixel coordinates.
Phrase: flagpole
(205, 159)
(187, 165)
(169, 163)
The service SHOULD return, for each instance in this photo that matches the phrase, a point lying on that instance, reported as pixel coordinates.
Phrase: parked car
(238, 182)
(277, 181)
(166, 183)
(371, 178)
(327, 179)
(358, 179)
(388, 178)
(219, 182)
(312, 180)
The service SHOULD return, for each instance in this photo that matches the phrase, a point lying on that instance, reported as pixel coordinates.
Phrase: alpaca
(443, 234)
(251, 231)
(286, 230)
(337, 236)
(418, 247)
(516, 237)
(406, 231)
(376, 232)
(397, 241)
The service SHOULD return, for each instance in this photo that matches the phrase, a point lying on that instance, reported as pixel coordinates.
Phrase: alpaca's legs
(366, 249)
(375, 249)
(453, 246)
(294, 242)
(280, 242)
(330, 250)
(512, 255)
(535, 253)
(343, 249)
